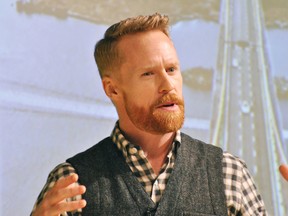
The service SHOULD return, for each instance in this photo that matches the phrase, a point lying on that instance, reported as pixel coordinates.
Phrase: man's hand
(54, 202)
(284, 171)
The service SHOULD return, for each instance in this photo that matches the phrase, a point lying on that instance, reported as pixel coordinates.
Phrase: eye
(147, 74)
(171, 69)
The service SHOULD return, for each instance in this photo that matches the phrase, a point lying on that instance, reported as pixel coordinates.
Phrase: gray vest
(194, 188)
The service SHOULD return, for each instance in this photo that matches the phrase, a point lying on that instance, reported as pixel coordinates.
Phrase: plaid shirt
(135, 157)
(240, 190)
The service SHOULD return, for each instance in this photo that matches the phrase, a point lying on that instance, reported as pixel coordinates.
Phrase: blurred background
(234, 63)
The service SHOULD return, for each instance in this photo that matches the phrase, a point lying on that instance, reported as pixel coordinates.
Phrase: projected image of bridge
(245, 120)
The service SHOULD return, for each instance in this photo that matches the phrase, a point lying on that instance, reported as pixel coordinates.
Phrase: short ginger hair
(106, 54)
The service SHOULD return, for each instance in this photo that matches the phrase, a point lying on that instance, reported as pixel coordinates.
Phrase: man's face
(151, 82)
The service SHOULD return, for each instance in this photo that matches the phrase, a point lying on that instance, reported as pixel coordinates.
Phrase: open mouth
(168, 105)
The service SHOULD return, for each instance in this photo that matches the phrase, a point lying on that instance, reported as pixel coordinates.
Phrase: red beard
(156, 120)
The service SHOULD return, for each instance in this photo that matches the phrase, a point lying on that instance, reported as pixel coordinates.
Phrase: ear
(109, 87)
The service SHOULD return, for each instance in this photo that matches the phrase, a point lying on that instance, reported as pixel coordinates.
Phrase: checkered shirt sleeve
(60, 171)
(242, 197)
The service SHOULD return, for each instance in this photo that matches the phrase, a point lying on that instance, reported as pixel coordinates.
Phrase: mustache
(170, 98)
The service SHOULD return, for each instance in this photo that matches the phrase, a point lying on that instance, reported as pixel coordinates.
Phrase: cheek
(179, 85)
(142, 99)
(141, 92)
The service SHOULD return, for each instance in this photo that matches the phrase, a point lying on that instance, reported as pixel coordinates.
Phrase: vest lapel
(188, 188)
(136, 190)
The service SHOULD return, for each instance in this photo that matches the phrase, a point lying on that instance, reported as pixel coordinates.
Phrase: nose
(166, 83)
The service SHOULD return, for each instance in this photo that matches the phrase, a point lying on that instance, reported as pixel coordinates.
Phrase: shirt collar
(124, 145)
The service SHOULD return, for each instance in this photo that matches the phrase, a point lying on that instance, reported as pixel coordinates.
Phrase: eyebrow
(153, 66)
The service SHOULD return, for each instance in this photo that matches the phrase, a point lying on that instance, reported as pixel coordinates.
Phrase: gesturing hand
(54, 202)
(284, 171)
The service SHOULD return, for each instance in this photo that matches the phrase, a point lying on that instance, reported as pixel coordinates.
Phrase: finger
(54, 203)
(43, 209)
(56, 195)
(65, 181)
(64, 188)
(67, 207)
(284, 171)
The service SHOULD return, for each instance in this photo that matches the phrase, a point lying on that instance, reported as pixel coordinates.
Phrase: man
(146, 166)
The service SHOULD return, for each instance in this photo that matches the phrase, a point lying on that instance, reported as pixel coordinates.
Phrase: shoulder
(234, 169)
(61, 170)
(96, 157)
(96, 152)
(199, 144)
(232, 161)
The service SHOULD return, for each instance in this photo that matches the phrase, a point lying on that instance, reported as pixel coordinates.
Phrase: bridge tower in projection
(245, 120)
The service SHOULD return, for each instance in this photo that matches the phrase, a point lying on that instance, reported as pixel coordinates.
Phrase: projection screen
(234, 64)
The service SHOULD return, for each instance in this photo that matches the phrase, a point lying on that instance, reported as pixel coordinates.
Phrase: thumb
(284, 171)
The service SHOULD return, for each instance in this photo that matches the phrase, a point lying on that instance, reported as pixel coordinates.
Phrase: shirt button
(132, 150)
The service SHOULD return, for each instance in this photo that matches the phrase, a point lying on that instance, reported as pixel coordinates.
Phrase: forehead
(142, 37)
(146, 46)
